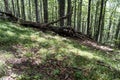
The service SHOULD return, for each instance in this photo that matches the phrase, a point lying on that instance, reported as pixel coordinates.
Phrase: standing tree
(79, 14)
(68, 11)
(88, 19)
(110, 22)
(100, 21)
(45, 8)
(6, 6)
(103, 21)
(75, 13)
(37, 11)
(61, 4)
(30, 13)
(117, 30)
(96, 20)
(13, 7)
(23, 9)
(18, 9)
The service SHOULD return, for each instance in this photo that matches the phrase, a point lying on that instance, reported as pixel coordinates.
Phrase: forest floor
(30, 54)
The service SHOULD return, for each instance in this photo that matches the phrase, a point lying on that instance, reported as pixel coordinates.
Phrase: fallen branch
(64, 17)
(11, 16)
(63, 31)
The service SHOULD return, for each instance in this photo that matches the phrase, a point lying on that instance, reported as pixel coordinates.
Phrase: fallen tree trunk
(63, 31)
(11, 16)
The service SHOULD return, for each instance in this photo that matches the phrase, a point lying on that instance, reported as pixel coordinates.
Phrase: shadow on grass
(10, 35)
(58, 62)
(54, 69)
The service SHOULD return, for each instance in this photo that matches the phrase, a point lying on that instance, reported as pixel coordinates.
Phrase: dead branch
(11, 16)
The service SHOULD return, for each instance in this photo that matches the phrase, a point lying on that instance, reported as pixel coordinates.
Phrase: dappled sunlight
(94, 44)
(5, 55)
(39, 47)
(43, 51)
(41, 39)
(10, 33)
(49, 43)
(89, 55)
(24, 36)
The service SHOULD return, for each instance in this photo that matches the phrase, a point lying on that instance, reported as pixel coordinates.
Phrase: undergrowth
(39, 47)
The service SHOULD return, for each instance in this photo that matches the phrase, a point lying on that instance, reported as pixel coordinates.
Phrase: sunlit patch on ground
(34, 55)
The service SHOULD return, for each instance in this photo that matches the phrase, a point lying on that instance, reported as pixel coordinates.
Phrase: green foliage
(56, 71)
(28, 55)
(79, 75)
(42, 47)
(3, 69)
(27, 77)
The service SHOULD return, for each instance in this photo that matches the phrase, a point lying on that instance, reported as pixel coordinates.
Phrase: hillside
(30, 54)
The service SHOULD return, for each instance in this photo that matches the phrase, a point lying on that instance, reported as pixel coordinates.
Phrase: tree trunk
(100, 21)
(30, 13)
(96, 21)
(117, 30)
(117, 37)
(88, 19)
(79, 15)
(6, 5)
(41, 11)
(45, 8)
(13, 7)
(37, 11)
(23, 9)
(75, 15)
(68, 11)
(18, 9)
(103, 22)
(61, 4)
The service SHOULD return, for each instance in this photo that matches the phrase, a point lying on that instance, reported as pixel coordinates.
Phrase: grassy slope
(17, 41)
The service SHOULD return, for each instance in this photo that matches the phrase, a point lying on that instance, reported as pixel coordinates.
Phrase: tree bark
(13, 7)
(117, 37)
(96, 21)
(68, 11)
(30, 13)
(37, 11)
(6, 6)
(79, 15)
(100, 21)
(61, 12)
(117, 30)
(45, 8)
(103, 21)
(75, 14)
(18, 8)
(23, 9)
(88, 19)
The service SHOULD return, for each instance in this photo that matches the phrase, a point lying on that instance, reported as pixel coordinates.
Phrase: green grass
(17, 41)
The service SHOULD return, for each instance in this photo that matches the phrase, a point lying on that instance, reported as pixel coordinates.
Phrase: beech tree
(97, 19)
(69, 7)
(18, 8)
(13, 7)
(6, 5)
(61, 4)
(100, 20)
(37, 11)
(23, 9)
(45, 7)
(88, 19)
